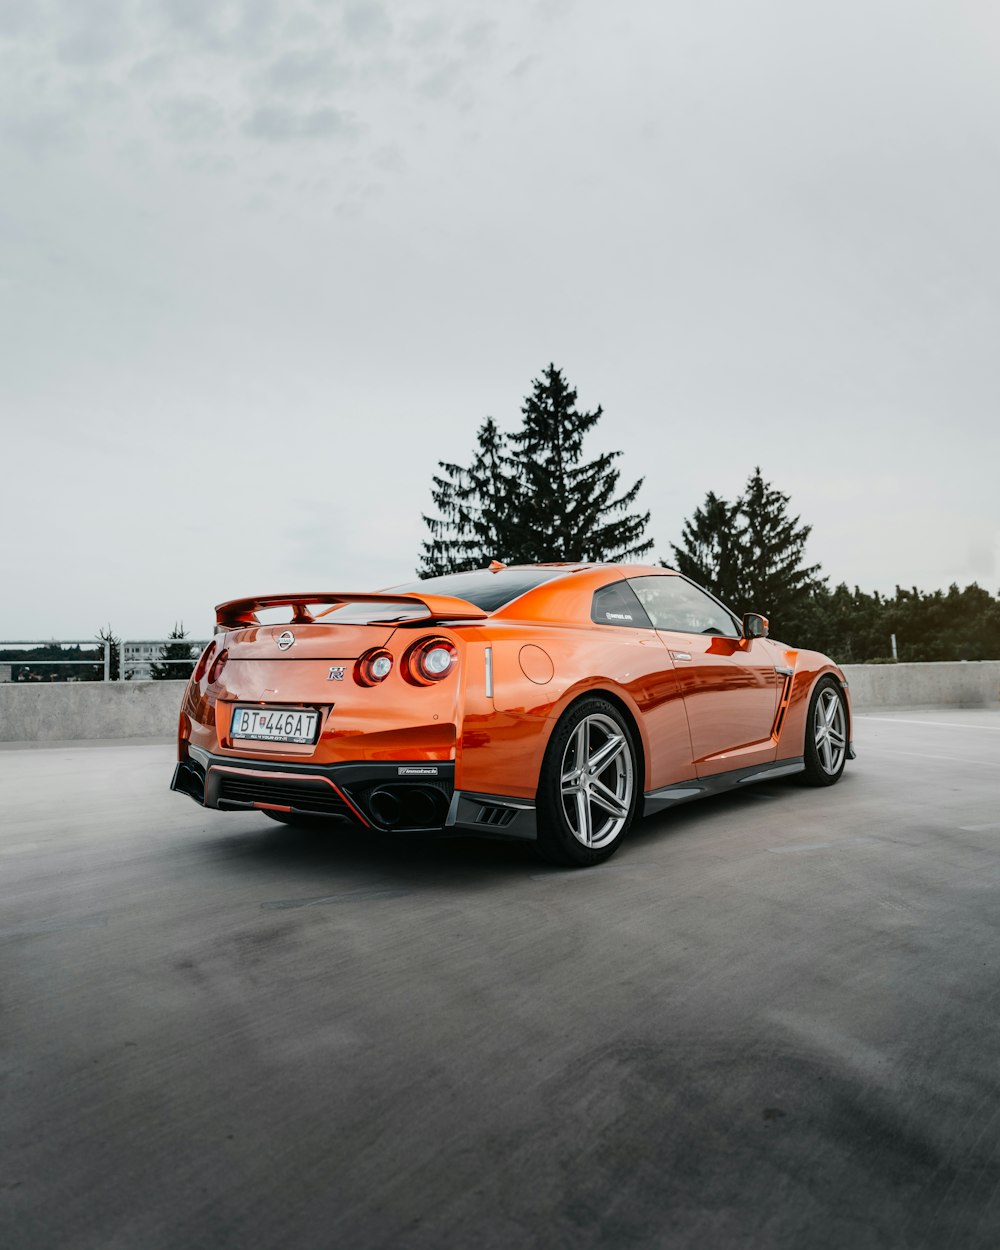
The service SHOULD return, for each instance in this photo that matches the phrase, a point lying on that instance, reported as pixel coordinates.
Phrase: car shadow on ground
(340, 852)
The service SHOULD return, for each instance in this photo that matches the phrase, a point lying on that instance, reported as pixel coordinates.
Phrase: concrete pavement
(771, 1020)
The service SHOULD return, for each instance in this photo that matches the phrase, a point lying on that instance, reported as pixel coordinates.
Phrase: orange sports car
(550, 702)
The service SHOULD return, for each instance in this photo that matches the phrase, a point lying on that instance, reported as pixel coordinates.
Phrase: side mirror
(754, 625)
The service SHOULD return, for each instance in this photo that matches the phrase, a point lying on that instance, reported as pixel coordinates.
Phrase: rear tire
(589, 787)
(825, 748)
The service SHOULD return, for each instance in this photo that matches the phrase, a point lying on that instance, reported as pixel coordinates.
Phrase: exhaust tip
(385, 806)
(412, 807)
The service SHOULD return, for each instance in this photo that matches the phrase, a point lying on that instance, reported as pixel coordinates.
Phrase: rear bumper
(397, 796)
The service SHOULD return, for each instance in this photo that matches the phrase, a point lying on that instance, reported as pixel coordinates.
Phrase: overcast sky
(264, 263)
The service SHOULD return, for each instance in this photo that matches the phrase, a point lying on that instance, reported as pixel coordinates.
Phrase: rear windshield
(486, 590)
(378, 613)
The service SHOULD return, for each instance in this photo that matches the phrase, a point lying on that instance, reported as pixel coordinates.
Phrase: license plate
(273, 724)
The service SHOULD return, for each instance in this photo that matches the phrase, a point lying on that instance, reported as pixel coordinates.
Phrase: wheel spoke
(580, 738)
(832, 708)
(827, 754)
(607, 753)
(603, 797)
(585, 829)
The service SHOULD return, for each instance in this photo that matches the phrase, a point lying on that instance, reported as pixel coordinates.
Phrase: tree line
(49, 662)
(532, 496)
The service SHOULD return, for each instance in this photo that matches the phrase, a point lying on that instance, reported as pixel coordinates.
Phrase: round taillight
(206, 655)
(373, 667)
(436, 661)
(217, 666)
(432, 660)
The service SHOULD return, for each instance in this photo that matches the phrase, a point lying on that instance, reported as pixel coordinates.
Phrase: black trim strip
(353, 773)
(718, 783)
(354, 780)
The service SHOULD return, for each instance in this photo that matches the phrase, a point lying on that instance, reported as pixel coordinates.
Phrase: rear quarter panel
(540, 670)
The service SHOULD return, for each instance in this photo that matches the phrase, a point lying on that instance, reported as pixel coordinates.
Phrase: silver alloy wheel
(597, 781)
(830, 730)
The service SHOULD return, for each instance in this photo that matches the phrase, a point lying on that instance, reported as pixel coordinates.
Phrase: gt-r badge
(336, 673)
(285, 640)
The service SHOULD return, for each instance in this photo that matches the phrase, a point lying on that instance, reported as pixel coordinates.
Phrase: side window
(617, 605)
(675, 604)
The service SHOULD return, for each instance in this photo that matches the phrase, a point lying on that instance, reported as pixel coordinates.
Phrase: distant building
(138, 657)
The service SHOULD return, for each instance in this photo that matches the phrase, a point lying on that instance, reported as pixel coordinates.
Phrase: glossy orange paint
(701, 704)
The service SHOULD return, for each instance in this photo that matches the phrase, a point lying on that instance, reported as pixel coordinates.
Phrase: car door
(729, 683)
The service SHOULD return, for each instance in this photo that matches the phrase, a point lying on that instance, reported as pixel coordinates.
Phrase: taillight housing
(373, 667)
(430, 660)
(218, 664)
(206, 655)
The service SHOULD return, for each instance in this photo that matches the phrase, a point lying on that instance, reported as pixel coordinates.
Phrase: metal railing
(92, 643)
(126, 661)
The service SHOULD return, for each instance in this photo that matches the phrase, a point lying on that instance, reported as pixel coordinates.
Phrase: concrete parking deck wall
(39, 712)
(972, 684)
(144, 709)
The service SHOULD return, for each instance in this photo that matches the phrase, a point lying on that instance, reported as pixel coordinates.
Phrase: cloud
(442, 81)
(192, 119)
(523, 66)
(241, 28)
(97, 33)
(366, 22)
(193, 15)
(427, 30)
(389, 158)
(299, 71)
(276, 124)
(92, 46)
(45, 133)
(477, 36)
(19, 17)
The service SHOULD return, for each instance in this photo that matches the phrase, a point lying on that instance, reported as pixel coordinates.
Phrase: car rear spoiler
(240, 613)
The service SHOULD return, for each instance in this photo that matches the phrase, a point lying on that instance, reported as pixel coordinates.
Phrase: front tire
(825, 749)
(589, 786)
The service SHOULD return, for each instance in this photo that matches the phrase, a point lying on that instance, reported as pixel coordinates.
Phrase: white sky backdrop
(264, 263)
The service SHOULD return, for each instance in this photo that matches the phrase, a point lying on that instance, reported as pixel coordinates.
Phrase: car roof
(569, 598)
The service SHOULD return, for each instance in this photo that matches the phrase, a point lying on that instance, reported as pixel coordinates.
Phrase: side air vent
(496, 817)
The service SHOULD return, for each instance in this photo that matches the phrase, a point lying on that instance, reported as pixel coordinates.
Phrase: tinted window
(673, 603)
(486, 590)
(617, 605)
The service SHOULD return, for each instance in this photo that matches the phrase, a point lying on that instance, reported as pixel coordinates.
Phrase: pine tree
(473, 526)
(710, 549)
(749, 554)
(173, 651)
(528, 496)
(567, 508)
(773, 577)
